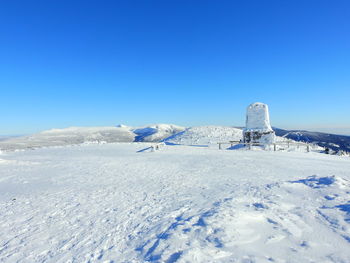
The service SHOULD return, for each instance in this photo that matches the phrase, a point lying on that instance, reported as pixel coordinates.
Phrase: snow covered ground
(108, 203)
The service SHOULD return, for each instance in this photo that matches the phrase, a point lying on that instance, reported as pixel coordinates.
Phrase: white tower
(258, 128)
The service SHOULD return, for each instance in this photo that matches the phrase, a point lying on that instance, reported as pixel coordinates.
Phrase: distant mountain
(172, 134)
(332, 141)
(68, 136)
(6, 137)
(79, 135)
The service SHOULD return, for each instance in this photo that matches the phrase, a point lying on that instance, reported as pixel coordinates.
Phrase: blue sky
(100, 63)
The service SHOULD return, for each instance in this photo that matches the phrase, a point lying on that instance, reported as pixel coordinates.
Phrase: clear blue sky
(92, 63)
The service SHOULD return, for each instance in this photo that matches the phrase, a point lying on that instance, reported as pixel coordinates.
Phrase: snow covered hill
(204, 135)
(108, 203)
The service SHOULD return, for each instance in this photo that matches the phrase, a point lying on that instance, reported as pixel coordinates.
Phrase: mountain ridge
(170, 133)
(334, 142)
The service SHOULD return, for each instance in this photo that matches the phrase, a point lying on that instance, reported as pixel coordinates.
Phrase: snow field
(108, 203)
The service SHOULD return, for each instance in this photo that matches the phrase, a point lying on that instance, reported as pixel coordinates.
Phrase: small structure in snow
(258, 128)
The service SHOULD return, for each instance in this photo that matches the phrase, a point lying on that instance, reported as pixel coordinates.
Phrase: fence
(287, 143)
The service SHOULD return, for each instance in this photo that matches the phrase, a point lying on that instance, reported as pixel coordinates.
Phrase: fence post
(274, 146)
(219, 146)
(308, 148)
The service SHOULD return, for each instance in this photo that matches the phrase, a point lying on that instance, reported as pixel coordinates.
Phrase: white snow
(258, 118)
(258, 128)
(108, 203)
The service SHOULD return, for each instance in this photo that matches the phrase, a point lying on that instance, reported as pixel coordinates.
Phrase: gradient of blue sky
(93, 63)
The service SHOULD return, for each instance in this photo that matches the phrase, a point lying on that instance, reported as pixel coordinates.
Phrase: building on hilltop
(258, 128)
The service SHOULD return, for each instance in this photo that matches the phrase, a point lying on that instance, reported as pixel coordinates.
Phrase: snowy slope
(156, 133)
(107, 203)
(204, 135)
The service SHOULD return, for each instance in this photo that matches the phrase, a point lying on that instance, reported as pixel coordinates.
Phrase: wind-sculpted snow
(272, 222)
(316, 182)
(108, 203)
